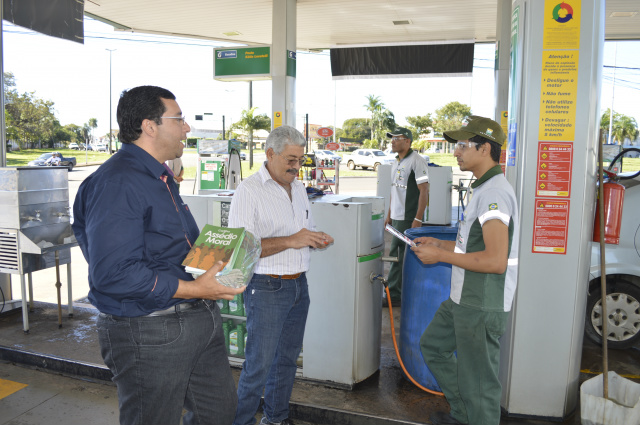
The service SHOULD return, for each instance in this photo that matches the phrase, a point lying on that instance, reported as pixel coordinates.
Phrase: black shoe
(441, 418)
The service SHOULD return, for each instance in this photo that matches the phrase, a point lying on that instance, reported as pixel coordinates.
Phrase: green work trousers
(470, 380)
(397, 249)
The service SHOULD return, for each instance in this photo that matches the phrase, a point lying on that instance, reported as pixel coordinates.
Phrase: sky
(76, 78)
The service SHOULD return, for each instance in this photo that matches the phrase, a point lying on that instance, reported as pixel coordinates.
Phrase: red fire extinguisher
(613, 202)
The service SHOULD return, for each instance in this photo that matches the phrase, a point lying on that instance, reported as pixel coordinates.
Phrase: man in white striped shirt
(273, 205)
(484, 259)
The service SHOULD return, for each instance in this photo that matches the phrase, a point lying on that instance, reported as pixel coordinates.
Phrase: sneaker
(265, 421)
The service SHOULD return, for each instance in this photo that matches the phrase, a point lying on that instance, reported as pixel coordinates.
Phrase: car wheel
(352, 165)
(623, 321)
(70, 167)
(375, 166)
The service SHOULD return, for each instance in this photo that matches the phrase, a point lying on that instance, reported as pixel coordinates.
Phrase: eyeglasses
(183, 119)
(466, 144)
(293, 161)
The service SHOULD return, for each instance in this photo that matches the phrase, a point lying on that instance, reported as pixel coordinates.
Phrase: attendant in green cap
(484, 259)
(409, 198)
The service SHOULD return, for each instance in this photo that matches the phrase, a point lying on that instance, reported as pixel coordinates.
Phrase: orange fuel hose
(395, 345)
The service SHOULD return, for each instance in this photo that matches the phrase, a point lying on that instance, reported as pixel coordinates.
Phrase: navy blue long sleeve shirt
(134, 231)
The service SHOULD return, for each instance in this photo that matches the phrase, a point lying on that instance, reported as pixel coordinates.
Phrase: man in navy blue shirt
(160, 332)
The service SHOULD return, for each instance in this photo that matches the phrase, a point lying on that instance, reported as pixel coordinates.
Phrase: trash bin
(424, 288)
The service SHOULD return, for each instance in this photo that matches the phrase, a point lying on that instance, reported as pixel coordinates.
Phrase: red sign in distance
(333, 146)
(324, 132)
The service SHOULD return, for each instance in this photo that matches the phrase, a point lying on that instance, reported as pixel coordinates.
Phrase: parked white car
(100, 147)
(74, 146)
(327, 155)
(367, 158)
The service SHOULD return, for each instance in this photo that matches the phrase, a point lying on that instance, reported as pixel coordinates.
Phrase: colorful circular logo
(568, 10)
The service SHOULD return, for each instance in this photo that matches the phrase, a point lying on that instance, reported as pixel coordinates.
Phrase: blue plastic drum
(424, 288)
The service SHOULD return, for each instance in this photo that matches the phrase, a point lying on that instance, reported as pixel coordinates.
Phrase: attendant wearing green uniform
(484, 261)
(409, 197)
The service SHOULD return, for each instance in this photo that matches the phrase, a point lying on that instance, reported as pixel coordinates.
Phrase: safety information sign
(558, 96)
(555, 161)
(551, 224)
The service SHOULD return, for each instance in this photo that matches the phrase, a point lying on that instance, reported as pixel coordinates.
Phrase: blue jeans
(276, 316)
(164, 363)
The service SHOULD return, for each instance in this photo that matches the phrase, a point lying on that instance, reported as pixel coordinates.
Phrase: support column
(283, 70)
(554, 111)
(501, 73)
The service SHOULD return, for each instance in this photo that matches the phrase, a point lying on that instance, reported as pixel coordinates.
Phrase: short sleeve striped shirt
(263, 207)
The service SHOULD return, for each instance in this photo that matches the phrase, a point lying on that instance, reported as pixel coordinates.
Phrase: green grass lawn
(22, 157)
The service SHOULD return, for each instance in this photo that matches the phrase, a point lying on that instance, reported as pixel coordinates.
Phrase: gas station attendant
(484, 262)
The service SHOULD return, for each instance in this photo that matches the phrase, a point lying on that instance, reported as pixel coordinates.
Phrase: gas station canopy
(323, 24)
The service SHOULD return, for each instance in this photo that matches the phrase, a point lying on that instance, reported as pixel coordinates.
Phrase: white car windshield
(378, 153)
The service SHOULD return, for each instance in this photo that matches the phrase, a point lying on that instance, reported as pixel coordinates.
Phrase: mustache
(292, 171)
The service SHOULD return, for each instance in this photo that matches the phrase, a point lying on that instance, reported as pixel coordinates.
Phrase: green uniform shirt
(492, 198)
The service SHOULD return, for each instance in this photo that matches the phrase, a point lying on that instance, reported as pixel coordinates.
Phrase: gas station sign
(242, 63)
(324, 132)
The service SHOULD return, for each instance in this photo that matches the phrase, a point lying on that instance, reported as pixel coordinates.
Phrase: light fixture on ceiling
(403, 22)
(623, 14)
(232, 33)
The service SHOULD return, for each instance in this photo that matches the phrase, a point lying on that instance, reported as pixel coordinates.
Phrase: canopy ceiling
(325, 24)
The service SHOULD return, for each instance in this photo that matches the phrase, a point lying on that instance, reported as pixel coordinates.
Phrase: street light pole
(110, 108)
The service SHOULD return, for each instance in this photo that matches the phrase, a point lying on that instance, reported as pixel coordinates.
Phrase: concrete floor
(385, 398)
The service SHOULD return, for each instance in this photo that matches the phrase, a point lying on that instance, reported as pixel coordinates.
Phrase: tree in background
(381, 121)
(624, 127)
(250, 123)
(450, 116)
(374, 106)
(92, 124)
(386, 123)
(356, 129)
(30, 121)
(420, 125)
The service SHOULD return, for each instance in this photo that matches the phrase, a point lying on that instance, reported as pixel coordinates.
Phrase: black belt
(177, 308)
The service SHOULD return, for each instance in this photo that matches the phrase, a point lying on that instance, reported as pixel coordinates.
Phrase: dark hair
(495, 148)
(138, 104)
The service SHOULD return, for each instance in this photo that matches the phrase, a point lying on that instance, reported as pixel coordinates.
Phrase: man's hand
(426, 240)
(416, 223)
(207, 287)
(306, 237)
(426, 252)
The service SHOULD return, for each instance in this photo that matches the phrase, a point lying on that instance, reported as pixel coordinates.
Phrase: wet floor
(385, 398)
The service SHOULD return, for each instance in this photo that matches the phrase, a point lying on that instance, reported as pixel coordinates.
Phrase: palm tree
(250, 123)
(374, 106)
(624, 128)
(92, 124)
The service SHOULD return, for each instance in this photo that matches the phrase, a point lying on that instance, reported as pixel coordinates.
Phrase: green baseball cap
(401, 131)
(474, 125)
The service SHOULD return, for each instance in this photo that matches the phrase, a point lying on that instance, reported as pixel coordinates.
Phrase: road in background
(44, 280)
